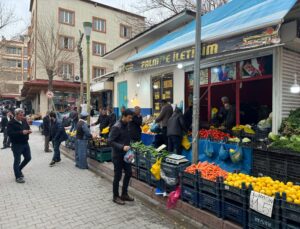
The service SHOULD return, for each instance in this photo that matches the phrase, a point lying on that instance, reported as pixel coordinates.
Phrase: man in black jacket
(135, 125)
(46, 132)
(18, 130)
(119, 139)
(112, 117)
(57, 136)
(4, 122)
(103, 120)
(165, 114)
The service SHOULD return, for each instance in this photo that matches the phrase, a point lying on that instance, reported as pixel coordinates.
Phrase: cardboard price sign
(261, 203)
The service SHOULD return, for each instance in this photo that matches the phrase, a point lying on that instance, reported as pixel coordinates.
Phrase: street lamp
(295, 88)
(87, 31)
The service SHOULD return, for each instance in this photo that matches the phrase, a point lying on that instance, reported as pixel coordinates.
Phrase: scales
(176, 159)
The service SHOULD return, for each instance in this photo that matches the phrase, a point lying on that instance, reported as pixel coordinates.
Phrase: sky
(21, 8)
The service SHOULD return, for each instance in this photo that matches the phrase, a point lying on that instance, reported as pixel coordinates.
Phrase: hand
(126, 148)
(25, 132)
(29, 131)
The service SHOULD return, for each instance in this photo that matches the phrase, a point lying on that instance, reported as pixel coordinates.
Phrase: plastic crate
(134, 171)
(207, 186)
(289, 226)
(259, 221)
(290, 211)
(235, 213)
(234, 195)
(278, 166)
(189, 195)
(104, 154)
(261, 134)
(189, 180)
(293, 169)
(211, 203)
(91, 153)
(143, 160)
(144, 175)
(172, 170)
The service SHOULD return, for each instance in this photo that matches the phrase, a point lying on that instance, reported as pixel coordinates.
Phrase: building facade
(64, 19)
(13, 67)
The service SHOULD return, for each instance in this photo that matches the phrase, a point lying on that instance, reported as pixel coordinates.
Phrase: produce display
(99, 141)
(214, 134)
(141, 148)
(246, 128)
(265, 185)
(208, 171)
(291, 125)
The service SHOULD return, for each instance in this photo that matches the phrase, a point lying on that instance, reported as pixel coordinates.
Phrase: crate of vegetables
(290, 206)
(213, 134)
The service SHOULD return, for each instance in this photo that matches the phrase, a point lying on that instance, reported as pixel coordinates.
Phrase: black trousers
(18, 150)
(119, 166)
(6, 140)
(164, 135)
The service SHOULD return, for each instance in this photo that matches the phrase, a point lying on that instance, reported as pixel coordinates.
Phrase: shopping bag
(155, 128)
(155, 169)
(185, 142)
(129, 157)
(105, 130)
(209, 149)
(169, 180)
(173, 198)
(223, 153)
(236, 155)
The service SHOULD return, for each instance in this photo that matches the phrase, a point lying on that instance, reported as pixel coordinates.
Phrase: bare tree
(166, 8)
(7, 16)
(48, 52)
(79, 50)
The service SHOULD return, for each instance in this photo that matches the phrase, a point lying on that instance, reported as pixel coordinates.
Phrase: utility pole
(196, 91)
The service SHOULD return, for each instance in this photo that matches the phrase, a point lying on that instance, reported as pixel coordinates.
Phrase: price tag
(261, 203)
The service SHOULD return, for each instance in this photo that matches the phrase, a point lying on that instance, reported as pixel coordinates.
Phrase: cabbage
(283, 138)
(246, 140)
(273, 137)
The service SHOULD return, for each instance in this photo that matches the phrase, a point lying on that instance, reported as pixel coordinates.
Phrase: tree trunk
(50, 88)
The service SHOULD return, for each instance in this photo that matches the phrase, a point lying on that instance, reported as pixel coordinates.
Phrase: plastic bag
(223, 153)
(155, 169)
(209, 149)
(185, 142)
(129, 157)
(173, 198)
(155, 128)
(105, 130)
(169, 180)
(236, 155)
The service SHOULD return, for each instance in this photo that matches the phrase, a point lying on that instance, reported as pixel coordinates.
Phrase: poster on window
(256, 67)
(223, 73)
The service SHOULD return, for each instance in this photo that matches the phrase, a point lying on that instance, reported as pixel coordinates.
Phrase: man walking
(135, 125)
(5, 120)
(46, 132)
(119, 139)
(18, 130)
(57, 136)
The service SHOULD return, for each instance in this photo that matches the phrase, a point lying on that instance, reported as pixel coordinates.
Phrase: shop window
(99, 49)
(66, 43)
(66, 17)
(162, 88)
(99, 25)
(125, 31)
(223, 73)
(256, 67)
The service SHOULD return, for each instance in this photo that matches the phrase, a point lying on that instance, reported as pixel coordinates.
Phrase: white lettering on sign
(261, 203)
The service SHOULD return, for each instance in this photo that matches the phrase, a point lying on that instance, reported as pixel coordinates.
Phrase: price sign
(261, 203)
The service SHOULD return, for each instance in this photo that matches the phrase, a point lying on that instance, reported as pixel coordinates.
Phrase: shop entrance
(122, 95)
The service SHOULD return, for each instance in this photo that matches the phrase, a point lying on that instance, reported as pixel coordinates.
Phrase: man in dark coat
(18, 130)
(74, 118)
(227, 114)
(119, 139)
(46, 132)
(135, 125)
(188, 117)
(165, 114)
(57, 136)
(112, 117)
(176, 129)
(103, 120)
(5, 120)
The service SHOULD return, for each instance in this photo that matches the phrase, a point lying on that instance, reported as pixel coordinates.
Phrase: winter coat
(176, 125)
(165, 114)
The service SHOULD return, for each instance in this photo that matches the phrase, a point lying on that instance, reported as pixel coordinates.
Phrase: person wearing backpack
(57, 136)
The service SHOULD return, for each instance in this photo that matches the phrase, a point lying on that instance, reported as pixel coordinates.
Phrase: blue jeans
(56, 155)
(18, 150)
(174, 144)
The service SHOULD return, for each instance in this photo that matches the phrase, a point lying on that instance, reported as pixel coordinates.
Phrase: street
(64, 196)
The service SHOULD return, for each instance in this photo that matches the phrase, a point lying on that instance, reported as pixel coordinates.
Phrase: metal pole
(196, 91)
(88, 93)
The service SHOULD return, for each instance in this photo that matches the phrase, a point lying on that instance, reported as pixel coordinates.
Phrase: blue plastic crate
(211, 203)
(189, 180)
(290, 226)
(144, 175)
(259, 221)
(134, 171)
(235, 213)
(290, 211)
(172, 170)
(209, 187)
(143, 161)
(232, 194)
(189, 195)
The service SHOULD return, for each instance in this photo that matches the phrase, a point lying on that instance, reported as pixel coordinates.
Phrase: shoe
(52, 163)
(118, 200)
(22, 175)
(127, 198)
(58, 160)
(48, 151)
(4, 147)
(20, 180)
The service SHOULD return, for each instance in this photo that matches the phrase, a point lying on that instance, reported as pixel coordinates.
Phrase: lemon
(297, 201)
(289, 199)
(290, 184)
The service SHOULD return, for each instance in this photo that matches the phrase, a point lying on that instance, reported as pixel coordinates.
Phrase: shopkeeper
(226, 115)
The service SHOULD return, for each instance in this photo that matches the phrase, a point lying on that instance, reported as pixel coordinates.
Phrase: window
(99, 25)
(98, 71)
(99, 49)
(66, 17)
(66, 70)
(66, 43)
(25, 64)
(14, 63)
(14, 50)
(25, 51)
(125, 31)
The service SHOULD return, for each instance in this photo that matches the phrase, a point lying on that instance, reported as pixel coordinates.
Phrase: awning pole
(196, 95)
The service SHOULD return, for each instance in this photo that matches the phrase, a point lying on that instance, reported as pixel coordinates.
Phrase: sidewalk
(64, 197)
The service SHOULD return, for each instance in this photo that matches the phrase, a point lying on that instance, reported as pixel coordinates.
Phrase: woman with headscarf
(82, 136)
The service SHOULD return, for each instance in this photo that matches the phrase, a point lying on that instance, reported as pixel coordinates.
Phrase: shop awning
(235, 17)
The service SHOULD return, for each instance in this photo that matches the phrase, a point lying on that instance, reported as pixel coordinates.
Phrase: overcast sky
(22, 12)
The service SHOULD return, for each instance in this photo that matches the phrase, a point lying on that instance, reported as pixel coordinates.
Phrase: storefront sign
(250, 40)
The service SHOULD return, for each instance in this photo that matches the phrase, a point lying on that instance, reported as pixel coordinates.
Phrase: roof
(101, 5)
(235, 17)
(154, 31)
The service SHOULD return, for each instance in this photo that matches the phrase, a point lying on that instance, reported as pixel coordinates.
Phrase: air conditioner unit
(76, 79)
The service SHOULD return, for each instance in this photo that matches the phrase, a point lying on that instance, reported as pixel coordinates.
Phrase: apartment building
(111, 27)
(13, 67)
